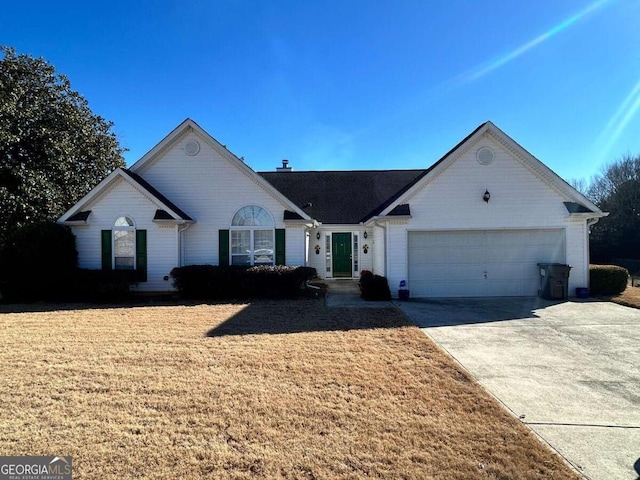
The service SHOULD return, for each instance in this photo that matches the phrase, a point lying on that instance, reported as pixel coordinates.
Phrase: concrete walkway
(570, 371)
(345, 293)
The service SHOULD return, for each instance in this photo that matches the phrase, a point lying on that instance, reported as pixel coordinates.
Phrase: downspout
(590, 222)
(307, 239)
(386, 242)
(186, 227)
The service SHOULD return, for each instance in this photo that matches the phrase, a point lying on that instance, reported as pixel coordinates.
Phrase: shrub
(374, 287)
(607, 279)
(102, 286)
(209, 282)
(38, 262)
(631, 264)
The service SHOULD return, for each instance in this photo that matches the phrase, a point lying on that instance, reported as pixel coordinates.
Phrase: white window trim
(252, 229)
(121, 228)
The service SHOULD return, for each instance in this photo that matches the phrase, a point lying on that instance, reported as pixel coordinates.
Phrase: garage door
(481, 263)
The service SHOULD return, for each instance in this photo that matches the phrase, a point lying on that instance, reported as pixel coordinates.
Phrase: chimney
(285, 167)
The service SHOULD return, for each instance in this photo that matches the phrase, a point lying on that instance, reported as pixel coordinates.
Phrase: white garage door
(481, 263)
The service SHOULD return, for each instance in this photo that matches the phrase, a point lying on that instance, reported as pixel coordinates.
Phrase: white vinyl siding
(162, 240)
(451, 200)
(211, 189)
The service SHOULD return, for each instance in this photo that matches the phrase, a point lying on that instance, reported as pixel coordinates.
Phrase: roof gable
(188, 125)
(526, 158)
(172, 212)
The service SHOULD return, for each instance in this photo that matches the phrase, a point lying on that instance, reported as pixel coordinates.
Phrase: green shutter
(141, 255)
(106, 250)
(280, 246)
(223, 248)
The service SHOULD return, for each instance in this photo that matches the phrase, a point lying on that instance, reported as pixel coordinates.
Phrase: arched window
(124, 244)
(252, 236)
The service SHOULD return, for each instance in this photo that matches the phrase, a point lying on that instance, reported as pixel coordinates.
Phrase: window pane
(124, 222)
(251, 215)
(263, 247)
(124, 243)
(240, 259)
(124, 263)
(240, 242)
(124, 249)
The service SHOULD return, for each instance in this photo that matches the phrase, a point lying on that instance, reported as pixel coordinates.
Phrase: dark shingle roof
(350, 196)
(79, 216)
(400, 210)
(340, 197)
(573, 207)
(146, 185)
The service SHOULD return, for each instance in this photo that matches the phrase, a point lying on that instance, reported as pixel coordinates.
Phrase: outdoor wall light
(365, 234)
(318, 235)
(487, 196)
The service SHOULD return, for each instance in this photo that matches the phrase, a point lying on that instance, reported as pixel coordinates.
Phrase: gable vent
(191, 148)
(484, 155)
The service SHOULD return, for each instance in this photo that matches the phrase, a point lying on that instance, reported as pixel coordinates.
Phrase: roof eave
(175, 221)
(588, 215)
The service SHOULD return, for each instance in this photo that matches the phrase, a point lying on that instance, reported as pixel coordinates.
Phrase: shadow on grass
(300, 316)
(146, 301)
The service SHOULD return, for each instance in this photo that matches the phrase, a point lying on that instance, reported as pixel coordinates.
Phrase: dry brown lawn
(264, 390)
(630, 297)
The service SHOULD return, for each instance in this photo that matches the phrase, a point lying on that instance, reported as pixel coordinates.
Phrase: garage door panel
(481, 263)
(447, 255)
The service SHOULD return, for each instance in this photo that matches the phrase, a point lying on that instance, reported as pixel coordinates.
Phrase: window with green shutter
(223, 248)
(141, 255)
(106, 250)
(125, 248)
(281, 246)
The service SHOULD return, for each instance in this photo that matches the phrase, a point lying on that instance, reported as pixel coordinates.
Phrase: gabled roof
(150, 189)
(79, 211)
(343, 197)
(189, 125)
(351, 197)
(527, 158)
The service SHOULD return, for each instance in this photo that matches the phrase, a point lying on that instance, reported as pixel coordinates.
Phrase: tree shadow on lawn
(300, 316)
(42, 307)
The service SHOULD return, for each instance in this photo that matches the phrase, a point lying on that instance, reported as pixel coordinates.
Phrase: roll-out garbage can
(554, 281)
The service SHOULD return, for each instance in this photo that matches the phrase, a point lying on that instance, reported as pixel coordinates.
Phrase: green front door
(341, 254)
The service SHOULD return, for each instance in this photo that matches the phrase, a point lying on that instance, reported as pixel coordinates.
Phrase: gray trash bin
(554, 281)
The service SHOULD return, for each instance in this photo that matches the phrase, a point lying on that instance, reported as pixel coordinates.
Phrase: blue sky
(351, 84)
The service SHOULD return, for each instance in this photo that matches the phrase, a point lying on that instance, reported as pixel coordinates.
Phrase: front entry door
(341, 254)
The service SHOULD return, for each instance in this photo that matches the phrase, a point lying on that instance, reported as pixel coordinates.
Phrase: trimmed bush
(209, 282)
(374, 287)
(38, 262)
(102, 286)
(631, 264)
(607, 279)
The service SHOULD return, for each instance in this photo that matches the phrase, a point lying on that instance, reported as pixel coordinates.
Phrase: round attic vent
(192, 147)
(484, 155)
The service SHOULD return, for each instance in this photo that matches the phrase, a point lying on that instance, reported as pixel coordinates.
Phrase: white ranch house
(475, 223)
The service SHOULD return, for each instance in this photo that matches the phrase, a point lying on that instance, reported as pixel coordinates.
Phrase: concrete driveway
(570, 370)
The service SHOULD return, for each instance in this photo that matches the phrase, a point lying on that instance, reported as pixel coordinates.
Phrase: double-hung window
(252, 237)
(124, 244)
